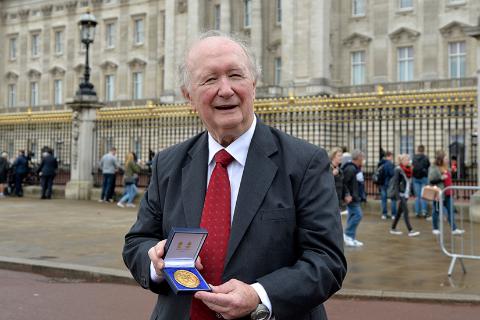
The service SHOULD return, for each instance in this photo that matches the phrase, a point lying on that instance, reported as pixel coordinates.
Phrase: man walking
(353, 177)
(47, 171)
(420, 163)
(109, 165)
(388, 172)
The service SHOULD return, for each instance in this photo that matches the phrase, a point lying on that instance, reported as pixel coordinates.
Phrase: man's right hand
(156, 254)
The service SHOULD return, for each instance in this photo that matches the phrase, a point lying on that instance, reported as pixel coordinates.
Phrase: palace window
(278, 71)
(278, 11)
(34, 93)
(110, 35)
(137, 85)
(406, 4)
(456, 59)
(35, 45)
(13, 48)
(216, 14)
(358, 67)
(57, 92)
(12, 95)
(247, 13)
(58, 42)
(109, 87)
(358, 8)
(139, 29)
(405, 63)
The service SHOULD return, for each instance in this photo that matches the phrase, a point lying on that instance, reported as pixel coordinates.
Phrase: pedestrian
(274, 244)
(439, 175)
(353, 180)
(342, 191)
(387, 170)
(47, 171)
(109, 166)
(400, 189)
(421, 164)
(21, 170)
(130, 178)
(4, 167)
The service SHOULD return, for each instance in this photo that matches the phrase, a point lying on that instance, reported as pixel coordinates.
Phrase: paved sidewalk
(87, 237)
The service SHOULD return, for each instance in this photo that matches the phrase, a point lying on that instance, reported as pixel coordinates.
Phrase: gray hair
(357, 154)
(184, 73)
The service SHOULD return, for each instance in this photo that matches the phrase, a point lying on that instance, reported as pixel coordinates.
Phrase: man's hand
(233, 299)
(156, 254)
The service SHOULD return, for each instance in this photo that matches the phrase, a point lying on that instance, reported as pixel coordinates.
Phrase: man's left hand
(233, 299)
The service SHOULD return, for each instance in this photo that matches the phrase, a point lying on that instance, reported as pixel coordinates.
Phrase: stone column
(193, 14)
(288, 45)
(475, 199)
(225, 23)
(168, 95)
(256, 33)
(81, 164)
(320, 47)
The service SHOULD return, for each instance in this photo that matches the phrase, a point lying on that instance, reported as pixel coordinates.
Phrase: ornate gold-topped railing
(396, 121)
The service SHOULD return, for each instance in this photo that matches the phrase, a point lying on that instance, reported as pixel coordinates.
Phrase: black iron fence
(393, 121)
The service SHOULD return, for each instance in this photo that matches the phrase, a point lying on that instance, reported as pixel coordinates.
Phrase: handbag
(430, 193)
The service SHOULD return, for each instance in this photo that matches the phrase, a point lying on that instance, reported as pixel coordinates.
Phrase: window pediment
(34, 74)
(404, 33)
(274, 45)
(11, 76)
(79, 68)
(358, 38)
(57, 71)
(108, 65)
(450, 28)
(136, 63)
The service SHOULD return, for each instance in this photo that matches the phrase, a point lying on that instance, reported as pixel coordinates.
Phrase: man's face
(221, 88)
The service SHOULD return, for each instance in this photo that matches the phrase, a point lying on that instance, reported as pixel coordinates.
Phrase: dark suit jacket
(286, 232)
(48, 166)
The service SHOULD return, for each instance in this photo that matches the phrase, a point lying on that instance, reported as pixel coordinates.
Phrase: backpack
(378, 176)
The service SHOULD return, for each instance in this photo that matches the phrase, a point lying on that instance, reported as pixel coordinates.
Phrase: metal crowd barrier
(461, 246)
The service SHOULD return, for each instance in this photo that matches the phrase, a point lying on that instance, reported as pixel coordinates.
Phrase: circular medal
(186, 278)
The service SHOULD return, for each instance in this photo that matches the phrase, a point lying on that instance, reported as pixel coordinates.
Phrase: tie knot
(223, 157)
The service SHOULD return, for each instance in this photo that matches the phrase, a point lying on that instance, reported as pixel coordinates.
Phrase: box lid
(183, 246)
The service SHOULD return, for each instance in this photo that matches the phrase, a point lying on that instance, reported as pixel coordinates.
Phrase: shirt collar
(238, 149)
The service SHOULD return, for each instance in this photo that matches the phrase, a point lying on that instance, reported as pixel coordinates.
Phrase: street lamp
(87, 25)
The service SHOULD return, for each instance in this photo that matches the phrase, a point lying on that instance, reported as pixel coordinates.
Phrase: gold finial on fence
(291, 99)
(379, 89)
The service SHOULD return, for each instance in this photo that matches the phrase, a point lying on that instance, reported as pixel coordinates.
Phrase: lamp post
(84, 107)
(87, 26)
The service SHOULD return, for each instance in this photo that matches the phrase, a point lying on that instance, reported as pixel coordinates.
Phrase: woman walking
(399, 189)
(342, 191)
(440, 176)
(130, 179)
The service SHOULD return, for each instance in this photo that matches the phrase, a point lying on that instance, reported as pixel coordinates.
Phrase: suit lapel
(256, 180)
(194, 182)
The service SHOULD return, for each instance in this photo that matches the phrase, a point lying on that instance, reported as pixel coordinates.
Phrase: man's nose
(225, 88)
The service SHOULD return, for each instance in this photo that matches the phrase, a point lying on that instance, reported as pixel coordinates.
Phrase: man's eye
(210, 80)
(236, 75)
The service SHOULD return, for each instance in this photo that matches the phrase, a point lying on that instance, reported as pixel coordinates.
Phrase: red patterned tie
(216, 219)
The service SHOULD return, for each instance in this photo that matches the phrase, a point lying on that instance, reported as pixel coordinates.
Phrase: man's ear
(186, 94)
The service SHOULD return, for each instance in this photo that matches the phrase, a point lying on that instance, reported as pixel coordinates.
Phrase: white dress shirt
(238, 149)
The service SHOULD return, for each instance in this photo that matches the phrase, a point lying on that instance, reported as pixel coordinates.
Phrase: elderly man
(274, 248)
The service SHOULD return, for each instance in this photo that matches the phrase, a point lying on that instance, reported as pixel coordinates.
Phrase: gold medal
(186, 278)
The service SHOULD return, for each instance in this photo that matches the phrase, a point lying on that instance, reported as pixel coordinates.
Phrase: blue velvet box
(182, 249)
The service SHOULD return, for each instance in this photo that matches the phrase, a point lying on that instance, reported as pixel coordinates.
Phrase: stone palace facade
(305, 47)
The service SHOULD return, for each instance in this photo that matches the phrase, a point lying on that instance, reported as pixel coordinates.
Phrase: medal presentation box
(182, 249)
